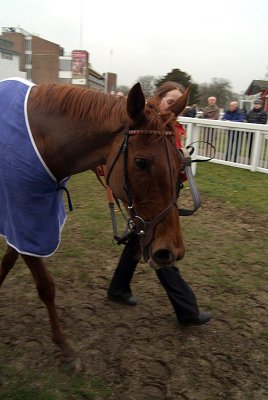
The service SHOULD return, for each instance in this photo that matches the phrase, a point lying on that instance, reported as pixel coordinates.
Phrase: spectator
(190, 111)
(212, 111)
(119, 95)
(234, 113)
(257, 115)
(234, 137)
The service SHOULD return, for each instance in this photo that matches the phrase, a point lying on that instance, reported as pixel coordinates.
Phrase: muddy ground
(141, 352)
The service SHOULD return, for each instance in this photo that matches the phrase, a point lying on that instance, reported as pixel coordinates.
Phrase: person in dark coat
(190, 111)
(233, 114)
(257, 115)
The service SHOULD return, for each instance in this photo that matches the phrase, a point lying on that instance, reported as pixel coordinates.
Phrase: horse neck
(70, 147)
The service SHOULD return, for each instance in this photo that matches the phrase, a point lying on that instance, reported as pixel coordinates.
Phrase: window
(65, 65)
(7, 56)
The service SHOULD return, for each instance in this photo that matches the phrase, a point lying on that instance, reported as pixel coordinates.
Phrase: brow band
(148, 132)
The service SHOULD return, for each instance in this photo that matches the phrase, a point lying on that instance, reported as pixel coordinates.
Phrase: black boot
(119, 289)
(182, 297)
(202, 318)
(123, 297)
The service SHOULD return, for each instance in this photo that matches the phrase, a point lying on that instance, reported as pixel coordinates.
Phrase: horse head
(144, 173)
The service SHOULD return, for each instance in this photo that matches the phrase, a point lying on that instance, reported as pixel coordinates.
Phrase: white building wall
(65, 75)
(10, 68)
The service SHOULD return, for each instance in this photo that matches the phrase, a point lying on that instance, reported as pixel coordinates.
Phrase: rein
(186, 162)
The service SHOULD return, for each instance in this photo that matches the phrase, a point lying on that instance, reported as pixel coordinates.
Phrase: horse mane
(79, 103)
(90, 105)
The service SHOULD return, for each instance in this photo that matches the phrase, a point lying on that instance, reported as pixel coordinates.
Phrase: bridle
(135, 224)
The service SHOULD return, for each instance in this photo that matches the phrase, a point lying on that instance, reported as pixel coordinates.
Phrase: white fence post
(256, 150)
(233, 142)
(192, 137)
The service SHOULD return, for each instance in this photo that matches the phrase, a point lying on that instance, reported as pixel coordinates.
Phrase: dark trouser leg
(236, 136)
(179, 292)
(250, 142)
(126, 267)
(228, 151)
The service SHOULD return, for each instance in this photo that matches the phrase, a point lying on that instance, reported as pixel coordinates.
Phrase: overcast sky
(205, 38)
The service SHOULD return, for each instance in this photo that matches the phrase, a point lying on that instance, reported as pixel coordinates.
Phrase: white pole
(81, 24)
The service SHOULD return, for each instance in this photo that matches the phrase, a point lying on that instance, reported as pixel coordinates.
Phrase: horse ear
(178, 106)
(135, 102)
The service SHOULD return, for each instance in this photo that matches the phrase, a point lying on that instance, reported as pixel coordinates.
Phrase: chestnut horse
(71, 130)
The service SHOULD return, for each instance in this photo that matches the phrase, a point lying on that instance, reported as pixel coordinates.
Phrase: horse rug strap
(32, 211)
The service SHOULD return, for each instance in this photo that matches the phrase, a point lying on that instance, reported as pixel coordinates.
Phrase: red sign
(79, 66)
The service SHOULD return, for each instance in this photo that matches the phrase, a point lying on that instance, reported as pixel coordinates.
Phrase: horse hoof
(69, 361)
(71, 364)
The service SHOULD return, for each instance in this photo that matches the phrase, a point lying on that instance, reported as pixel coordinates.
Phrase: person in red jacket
(178, 291)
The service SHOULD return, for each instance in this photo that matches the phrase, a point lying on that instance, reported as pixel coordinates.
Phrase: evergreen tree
(181, 77)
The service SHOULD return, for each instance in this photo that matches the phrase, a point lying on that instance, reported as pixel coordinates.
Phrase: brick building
(110, 82)
(43, 61)
(259, 89)
(9, 60)
(39, 57)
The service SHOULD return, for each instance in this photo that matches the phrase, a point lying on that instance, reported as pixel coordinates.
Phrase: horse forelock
(79, 103)
(157, 121)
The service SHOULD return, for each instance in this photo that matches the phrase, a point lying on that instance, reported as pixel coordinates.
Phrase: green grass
(89, 230)
(30, 385)
(235, 186)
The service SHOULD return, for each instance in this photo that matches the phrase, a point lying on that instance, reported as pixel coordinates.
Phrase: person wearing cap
(257, 115)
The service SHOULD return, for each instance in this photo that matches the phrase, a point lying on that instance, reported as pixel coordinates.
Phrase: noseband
(136, 224)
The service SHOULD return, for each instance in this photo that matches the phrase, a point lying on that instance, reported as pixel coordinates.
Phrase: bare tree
(220, 88)
(122, 88)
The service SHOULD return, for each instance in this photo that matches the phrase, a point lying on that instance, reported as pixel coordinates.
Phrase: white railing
(238, 144)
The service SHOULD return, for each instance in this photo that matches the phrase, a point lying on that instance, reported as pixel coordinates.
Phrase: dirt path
(141, 351)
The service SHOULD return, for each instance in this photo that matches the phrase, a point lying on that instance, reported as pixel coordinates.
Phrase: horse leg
(46, 291)
(8, 262)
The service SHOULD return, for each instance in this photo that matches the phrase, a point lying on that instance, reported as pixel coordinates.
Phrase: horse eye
(142, 163)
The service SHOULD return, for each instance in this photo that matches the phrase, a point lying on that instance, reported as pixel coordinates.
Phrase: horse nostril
(162, 256)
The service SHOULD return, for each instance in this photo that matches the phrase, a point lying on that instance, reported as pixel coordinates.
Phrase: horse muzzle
(159, 250)
(163, 257)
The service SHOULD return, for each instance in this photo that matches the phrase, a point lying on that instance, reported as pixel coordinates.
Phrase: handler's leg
(182, 297)
(120, 289)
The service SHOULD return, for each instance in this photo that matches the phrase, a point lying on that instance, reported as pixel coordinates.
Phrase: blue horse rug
(32, 210)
